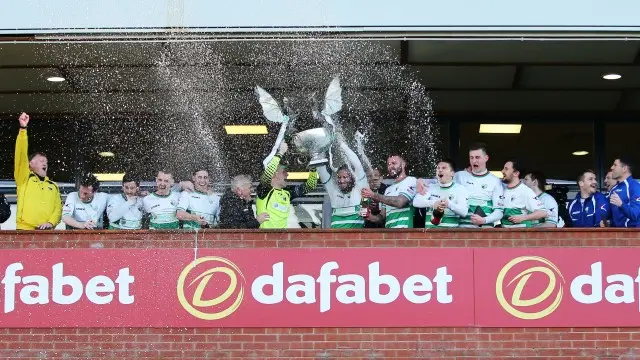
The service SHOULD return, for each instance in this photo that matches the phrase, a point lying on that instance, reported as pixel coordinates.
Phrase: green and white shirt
(458, 203)
(162, 210)
(401, 217)
(551, 205)
(123, 213)
(345, 207)
(82, 212)
(201, 204)
(519, 200)
(485, 192)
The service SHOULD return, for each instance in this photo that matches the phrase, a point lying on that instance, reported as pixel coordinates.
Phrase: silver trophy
(315, 143)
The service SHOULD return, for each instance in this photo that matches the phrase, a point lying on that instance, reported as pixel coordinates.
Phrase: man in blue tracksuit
(624, 196)
(590, 207)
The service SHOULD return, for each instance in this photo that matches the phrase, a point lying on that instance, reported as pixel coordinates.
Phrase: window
(543, 145)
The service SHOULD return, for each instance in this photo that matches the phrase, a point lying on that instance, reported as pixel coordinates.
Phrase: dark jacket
(236, 213)
(5, 209)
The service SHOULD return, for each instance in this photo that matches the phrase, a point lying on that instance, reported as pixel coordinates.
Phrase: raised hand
(24, 119)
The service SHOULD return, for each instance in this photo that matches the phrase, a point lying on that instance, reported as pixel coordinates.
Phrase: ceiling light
(611, 76)
(497, 173)
(500, 128)
(246, 129)
(109, 177)
(107, 154)
(298, 176)
(55, 79)
(580, 153)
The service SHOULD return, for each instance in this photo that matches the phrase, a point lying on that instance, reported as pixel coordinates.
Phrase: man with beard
(162, 205)
(625, 195)
(39, 202)
(375, 183)
(590, 207)
(236, 211)
(85, 208)
(345, 191)
(201, 207)
(486, 203)
(274, 196)
(521, 207)
(125, 210)
(537, 182)
(447, 197)
(397, 198)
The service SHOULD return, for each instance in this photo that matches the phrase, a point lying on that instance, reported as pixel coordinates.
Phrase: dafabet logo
(514, 277)
(225, 302)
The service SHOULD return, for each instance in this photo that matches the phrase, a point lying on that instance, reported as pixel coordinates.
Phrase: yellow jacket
(38, 201)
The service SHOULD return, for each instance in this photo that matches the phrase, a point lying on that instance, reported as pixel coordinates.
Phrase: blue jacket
(589, 214)
(627, 215)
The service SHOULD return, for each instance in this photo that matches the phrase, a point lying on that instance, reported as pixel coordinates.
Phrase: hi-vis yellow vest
(38, 200)
(277, 204)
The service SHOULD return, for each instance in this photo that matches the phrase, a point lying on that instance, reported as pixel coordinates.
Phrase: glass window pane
(544, 146)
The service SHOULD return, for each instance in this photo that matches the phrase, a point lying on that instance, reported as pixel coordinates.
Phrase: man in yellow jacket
(39, 203)
(274, 196)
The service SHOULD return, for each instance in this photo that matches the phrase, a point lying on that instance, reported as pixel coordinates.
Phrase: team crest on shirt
(451, 196)
(513, 198)
(174, 203)
(484, 186)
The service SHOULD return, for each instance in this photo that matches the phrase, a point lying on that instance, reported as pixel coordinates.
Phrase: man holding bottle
(446, 202)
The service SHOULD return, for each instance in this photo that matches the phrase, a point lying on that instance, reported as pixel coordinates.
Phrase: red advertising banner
(237, 288)
(556, 287)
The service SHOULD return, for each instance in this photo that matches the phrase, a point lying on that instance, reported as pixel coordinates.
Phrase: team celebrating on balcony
(470, 198)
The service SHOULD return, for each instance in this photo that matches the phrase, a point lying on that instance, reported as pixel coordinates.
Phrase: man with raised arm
(447, 198)
(486, 202)
(274, 196)
(125, 210)
(397, 211)
(39, 202)
(344, 190)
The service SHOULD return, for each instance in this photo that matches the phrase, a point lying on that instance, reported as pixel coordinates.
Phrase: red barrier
(557, 287)
(237, 288)
(543, 287)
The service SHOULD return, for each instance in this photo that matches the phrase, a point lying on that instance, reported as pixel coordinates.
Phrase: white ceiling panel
(497, 101)
(30, 79)
(466, 77)
(523, 51)
(579, 77)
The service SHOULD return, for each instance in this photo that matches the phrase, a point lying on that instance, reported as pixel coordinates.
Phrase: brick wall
(321, 343)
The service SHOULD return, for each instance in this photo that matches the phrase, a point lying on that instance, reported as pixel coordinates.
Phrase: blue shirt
(627, 215)
(590, 212)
